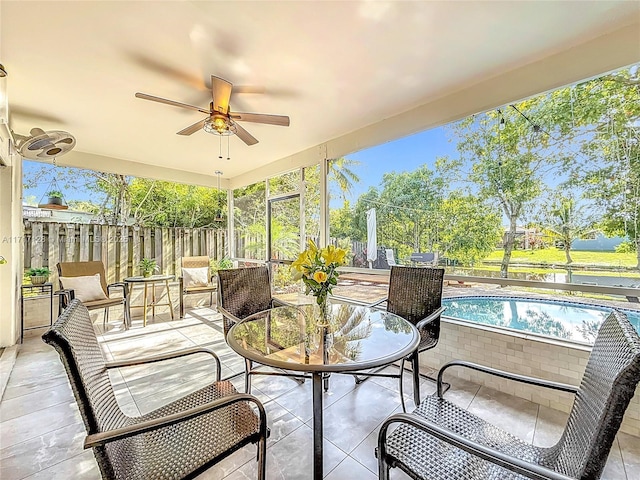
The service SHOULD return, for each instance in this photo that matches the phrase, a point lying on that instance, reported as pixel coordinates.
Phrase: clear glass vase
(324, 316)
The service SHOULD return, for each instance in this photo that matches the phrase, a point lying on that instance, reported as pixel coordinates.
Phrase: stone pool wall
(518, 353)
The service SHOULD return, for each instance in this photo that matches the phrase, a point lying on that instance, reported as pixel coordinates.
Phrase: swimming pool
(572, 321)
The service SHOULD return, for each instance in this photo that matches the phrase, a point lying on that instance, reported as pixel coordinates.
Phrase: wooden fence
(120, 248)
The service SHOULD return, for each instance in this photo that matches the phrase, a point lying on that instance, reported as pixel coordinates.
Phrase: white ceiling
(333, 67)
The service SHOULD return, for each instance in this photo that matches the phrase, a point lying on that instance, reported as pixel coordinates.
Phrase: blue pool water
(566, 320)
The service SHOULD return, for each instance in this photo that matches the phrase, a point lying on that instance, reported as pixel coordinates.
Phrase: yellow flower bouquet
(317, 267)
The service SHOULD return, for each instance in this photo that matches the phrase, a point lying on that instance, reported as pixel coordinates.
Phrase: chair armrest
(377, 302)
(226, 313)
(125, 288)
(64, 299)
(508, 375)
(522, 467)
(276, 302)
(426, 320)
(98, 439)
(167, 356)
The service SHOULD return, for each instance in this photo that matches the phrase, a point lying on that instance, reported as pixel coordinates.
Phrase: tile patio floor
(41, 432)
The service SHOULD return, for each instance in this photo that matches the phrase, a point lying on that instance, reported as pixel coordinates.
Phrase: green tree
(507, 159)
(602, 117)
(564, 221)
(340, 173)
(169, 204)
(470, 229)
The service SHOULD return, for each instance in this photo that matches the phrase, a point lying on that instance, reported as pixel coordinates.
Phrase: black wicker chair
(442, 441)
(415, 294)
(179, 440)
(243, 292)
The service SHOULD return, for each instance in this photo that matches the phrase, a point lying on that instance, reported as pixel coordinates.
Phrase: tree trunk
(567, 249)
(638, 252)
(508, 247)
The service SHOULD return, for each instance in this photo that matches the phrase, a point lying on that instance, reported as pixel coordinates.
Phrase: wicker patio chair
(201, 262)
(84, 269)
(243, 292)
(179, 440)
(440, 440)
(415, 294)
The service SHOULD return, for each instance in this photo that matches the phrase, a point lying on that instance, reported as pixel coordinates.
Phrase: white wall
(11, 234)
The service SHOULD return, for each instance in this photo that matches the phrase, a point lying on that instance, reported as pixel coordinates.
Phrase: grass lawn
(554, 256)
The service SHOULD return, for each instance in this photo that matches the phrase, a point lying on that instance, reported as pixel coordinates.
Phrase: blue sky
(403, 155)
(29, 168)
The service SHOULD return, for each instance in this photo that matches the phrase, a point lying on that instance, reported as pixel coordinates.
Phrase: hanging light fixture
(219, 125)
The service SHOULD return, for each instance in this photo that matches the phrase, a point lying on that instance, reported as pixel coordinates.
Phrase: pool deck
(372, 287)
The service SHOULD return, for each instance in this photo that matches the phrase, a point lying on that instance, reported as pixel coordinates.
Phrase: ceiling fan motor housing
(43, 145)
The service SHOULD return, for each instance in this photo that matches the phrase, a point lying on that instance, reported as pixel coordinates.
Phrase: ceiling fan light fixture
(219, 125)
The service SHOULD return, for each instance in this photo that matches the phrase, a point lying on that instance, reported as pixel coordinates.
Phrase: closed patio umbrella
(372, 237)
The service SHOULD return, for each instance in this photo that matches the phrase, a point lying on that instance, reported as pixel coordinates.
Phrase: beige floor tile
(350, 469)
(513, 414)
(80, 467)
(39, 453)
(41, 433)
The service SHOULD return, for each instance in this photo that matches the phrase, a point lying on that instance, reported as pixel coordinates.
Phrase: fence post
(37, 244)
(136, 250)
(54, 252)
(69, 242)
(110, 258)
(84, 242)
(159, 257)
(97, 242)
(167, 260)
(147, 242)
(123, 270)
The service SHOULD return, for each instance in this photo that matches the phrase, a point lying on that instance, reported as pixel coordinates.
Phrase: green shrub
(223, 264)
(626, 247)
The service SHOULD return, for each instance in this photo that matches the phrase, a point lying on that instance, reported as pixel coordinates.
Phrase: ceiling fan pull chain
(228, 148)
(220, 151)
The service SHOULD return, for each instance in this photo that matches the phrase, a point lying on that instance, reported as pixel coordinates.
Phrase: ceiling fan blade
(220, 93)
(144, 96)
(245, 136)
(281, 120)
(193, 128)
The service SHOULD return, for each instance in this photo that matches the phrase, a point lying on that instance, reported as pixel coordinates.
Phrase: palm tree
(565, 222)
(340, 172)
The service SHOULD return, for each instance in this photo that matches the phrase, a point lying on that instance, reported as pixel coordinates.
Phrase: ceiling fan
(220, 119)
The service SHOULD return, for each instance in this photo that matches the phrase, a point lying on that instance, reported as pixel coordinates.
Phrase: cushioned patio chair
(440, 440)
(87, 282)
(391, 258)
(243, 292)
(415, 294)
(179, 440)
(196, 277)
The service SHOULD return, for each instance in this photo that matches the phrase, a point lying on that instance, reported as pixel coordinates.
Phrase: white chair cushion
(195, 277)
(86, 289)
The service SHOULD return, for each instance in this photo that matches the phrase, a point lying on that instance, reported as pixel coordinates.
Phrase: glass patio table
(351, 339)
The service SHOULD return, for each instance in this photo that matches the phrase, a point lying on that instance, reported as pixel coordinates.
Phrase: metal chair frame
(440, 440)
(243, 292)
(415, 294)
(179, 440)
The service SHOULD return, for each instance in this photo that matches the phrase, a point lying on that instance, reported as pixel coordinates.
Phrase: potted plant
(148, 266)
(39, 275)
(55, 197)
